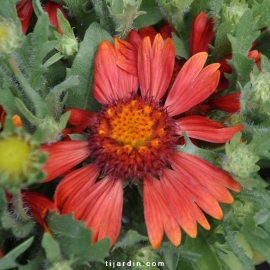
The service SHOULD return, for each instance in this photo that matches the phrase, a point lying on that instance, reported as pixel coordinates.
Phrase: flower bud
(241, 161)
(20, 160)
(10, 36)
(261, 87)
(61, 266)
(234, 11)
(68, 45)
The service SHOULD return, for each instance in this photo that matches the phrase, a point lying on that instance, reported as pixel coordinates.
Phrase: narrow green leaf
(153, 15)
(180, 46)
(81, 96)
(9, 260)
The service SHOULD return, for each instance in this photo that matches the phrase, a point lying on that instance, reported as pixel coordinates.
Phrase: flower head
(20, 160)
(134, 138)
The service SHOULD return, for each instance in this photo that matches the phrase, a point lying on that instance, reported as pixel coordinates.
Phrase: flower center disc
(132, 139)
(14, 156)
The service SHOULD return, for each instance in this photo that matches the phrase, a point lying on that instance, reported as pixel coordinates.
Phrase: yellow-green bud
(241, 161)
(68, 45)
(261, 87)
(234, 11)
(21, 160)
(10, 36)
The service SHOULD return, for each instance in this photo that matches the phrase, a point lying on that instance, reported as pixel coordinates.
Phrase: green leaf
(131, 238)
(261, 13)
(244, 34)
(75, 239)
(259, 244)
(200, 245)
(53, 99)
(190, 148)
(236, 248)
(153, 15)
(172, 255)
(81, 96)
(9, 260)
(180, 46)
(52, 249)
(261, 141)
(222, 44)
(241, 66)
(8, 10)
(3, 202)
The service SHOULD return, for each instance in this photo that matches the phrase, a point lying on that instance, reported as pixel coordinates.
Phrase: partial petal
(192, 85)
(179, 203)
(24, 10)
(229, 103)
(209, 174)
(158, 216)
(202, 128)
(106, 74)
(162, 66)
(74, 187)
(180, 180)
(103, 209)
(202, 33)
(59, 158)
(144, 66)
(38, 206)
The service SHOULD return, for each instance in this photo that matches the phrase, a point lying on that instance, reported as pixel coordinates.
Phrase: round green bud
(68, 45)
(10, 36)
(261, 87)
(21, 160)
(240, 162)
(234, 11)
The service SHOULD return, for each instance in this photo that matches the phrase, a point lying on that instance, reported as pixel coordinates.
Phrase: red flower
(134, 137)
(51, 8)
(201, 34)
(25, 11)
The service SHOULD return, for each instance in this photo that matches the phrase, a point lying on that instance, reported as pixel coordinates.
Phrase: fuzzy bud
(68, 46)
(240, 160)
(234, 11)
(10, 36)
(61, 266)
(261, 87)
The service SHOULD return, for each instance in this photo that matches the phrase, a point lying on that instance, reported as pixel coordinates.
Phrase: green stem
(40, 106)
(18, 205)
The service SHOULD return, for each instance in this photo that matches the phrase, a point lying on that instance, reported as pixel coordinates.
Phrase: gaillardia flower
(134, 138)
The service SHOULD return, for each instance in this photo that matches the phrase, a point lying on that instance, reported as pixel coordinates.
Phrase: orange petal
(103, 209)
(74, 186)
(202, 128)
(209, 174)
(158, 216)
(162, 65)
(187, 197)
(183, 85)
(59, 158)
(179, 204)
